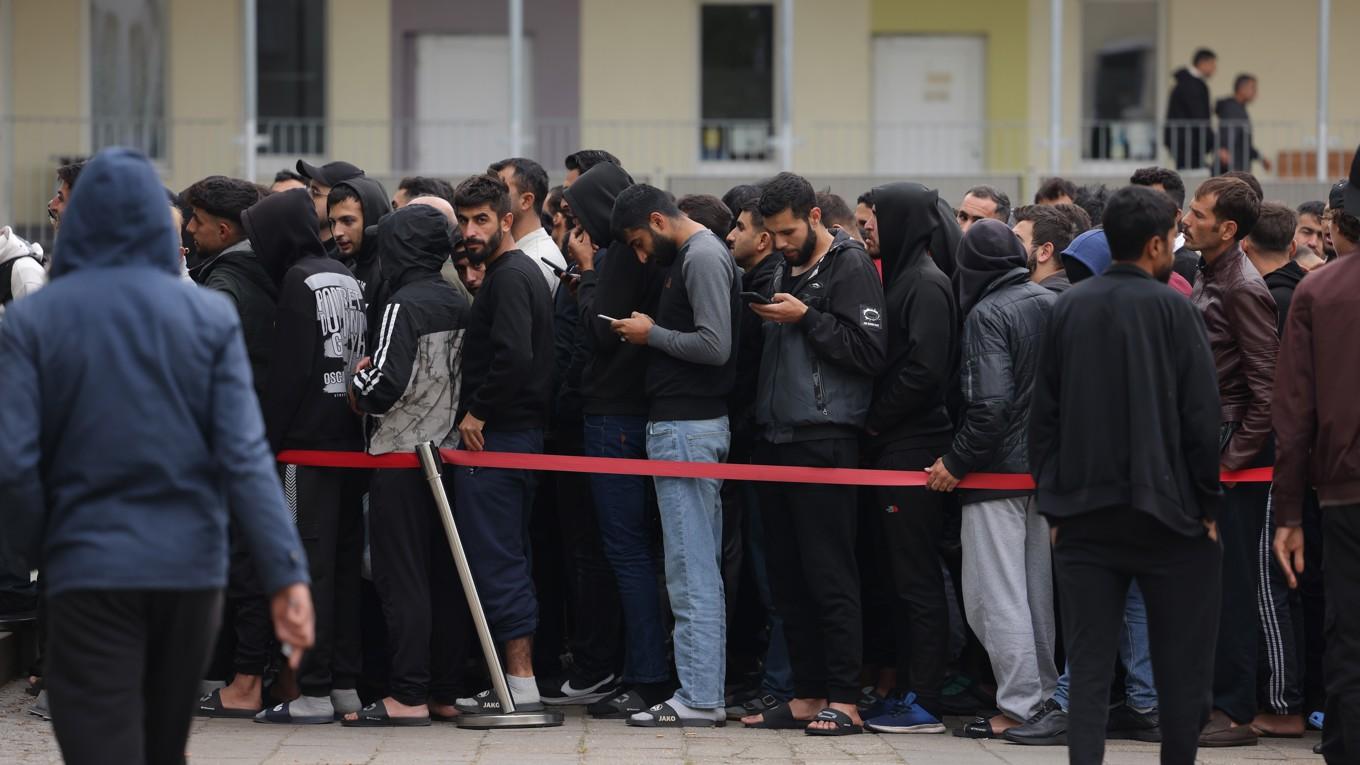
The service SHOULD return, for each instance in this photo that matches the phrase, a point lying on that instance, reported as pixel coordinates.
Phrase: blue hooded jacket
(130, 429)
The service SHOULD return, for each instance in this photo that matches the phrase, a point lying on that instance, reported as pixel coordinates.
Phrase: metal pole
(786, 85)
(7, 121)
(1324, 77)
(516, 77)
(250, 64)
(1055, 78)
(508, 718)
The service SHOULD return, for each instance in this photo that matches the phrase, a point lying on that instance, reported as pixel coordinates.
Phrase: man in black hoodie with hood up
(319, 337)
(1188, 134)
(909, 427)
(408, 391)
(354, 208)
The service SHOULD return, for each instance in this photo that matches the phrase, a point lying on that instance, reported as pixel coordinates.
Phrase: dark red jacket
(1317, 423)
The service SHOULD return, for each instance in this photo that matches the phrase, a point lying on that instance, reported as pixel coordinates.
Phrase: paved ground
(27, 739)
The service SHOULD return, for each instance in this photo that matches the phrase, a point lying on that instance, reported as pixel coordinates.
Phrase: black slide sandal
(844, 725)
(779, 717)
(665, 716)
(211, 706)
(375, 716)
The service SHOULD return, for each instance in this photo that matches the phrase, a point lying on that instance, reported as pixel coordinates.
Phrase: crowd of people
(1121, 346)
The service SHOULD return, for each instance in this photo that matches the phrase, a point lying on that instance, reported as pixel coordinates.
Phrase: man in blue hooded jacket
(131, 436)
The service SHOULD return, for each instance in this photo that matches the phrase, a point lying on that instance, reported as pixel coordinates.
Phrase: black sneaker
(1048, 727)
(1128, 723)
(575, 688)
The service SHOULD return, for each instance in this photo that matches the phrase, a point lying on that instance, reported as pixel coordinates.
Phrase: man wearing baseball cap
(1342, 218)
(320, 179)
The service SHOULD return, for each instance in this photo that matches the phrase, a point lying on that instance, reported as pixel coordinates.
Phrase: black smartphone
(756, 297)
(556, 269)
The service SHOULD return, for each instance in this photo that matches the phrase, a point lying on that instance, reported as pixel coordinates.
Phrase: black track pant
(124, 670)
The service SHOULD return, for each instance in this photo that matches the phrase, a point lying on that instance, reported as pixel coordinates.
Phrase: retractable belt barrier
(667, 469)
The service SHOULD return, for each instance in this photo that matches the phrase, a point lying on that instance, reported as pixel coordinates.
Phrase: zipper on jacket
(817, 388)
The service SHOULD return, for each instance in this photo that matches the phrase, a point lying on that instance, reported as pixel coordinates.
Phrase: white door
(463, 101)
(928, 104)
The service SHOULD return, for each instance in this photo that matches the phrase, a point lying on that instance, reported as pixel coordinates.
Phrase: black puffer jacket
(1001, 339)
(238, 274)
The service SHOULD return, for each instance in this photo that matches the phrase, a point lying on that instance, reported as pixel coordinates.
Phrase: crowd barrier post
(509, 716)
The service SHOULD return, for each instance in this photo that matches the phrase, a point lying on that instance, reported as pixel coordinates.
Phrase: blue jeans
(1139, 691)
(621, 511)
(691, 527)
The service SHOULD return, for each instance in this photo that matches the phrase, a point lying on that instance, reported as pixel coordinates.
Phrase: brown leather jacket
(1240, 316)
(1317, 423)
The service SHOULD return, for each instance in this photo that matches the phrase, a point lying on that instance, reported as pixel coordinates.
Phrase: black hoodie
(238, 274)
(1188, 134)
(365, 264)
(613, 380)
(319, 330)
(909, 405)
(1282, 283)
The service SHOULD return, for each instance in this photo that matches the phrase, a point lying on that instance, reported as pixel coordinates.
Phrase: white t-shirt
(538, 246)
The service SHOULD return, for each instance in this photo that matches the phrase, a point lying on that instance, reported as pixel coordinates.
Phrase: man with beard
(354, 207)
(1240, 315)
(318, 338)
(614, 408)
(1046, 231)
(690, 374)
(1124, 451)
(1312, 231)
(507, 387)
(528, 184)
(1007, 573)
(908, 427)
(864, 214)
(319, 183)
(823, 344)
(983, 203)
(1169, 182)
(408, 391)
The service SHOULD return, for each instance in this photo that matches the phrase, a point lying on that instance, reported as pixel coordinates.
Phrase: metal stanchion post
(509, 717)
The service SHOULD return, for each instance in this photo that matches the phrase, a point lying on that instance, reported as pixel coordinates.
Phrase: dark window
(1119, 76)
(737, 87)
(291, 56)
(127, 75)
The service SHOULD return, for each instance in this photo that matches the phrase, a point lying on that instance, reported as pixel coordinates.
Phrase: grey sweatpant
(1008, 599)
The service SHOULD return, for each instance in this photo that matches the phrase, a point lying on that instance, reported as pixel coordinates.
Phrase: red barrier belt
(723, 471)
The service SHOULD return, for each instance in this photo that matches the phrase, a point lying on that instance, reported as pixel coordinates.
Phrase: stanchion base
(512, 720)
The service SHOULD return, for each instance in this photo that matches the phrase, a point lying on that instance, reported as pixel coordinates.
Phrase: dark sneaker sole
(1147, 736)
(1049, 741)
(589, 698)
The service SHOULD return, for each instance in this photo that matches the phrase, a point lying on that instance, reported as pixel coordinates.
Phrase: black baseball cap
(330, 173)
(1346, 194)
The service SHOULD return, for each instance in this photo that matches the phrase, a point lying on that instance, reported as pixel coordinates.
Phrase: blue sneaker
(874, 705)
(904, 716)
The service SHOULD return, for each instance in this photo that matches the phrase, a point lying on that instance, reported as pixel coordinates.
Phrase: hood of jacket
(988, 251)
(118, 216)
(282, 229)
(414, 242)
(14, 246)
(373, 200)
(1183, 75)
(592, 199)
(914, 221)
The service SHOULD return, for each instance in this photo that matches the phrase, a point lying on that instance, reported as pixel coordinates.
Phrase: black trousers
(331, 525)
(595, 631)
(1096, 557)
(814, 577)
(1239, 527)
(911, 520)
(124, 670)
(423, 603)
(1279, 669)
(1341, 539)
(251, 624)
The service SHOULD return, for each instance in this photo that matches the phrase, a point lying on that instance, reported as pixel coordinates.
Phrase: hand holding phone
(755, 297)
(556, 269)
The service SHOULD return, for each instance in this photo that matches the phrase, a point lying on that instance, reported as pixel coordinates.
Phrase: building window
(291, 60)
(737, 82)
(127, 75)
(1119, 81)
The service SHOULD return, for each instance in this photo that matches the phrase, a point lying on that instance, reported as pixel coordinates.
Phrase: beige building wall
(358, 80)
(49, 98)
(1038, 61)
(205, 101)
(640, 82)
(833, 85)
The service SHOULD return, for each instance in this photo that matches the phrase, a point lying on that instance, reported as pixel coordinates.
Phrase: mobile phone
(607, 318)
(556, 269)
(756, 297)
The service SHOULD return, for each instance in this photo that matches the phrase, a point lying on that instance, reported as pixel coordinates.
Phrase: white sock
(345, 701)
(686, 712)
(524, 690)
(311, 706)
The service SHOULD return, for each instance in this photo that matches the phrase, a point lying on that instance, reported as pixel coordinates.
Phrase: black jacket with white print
(410, 391)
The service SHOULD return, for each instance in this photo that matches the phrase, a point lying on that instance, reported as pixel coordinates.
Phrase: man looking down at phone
(824, 343)
(692, 368)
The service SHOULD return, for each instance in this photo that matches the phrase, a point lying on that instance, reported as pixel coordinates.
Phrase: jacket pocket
(819, 387)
